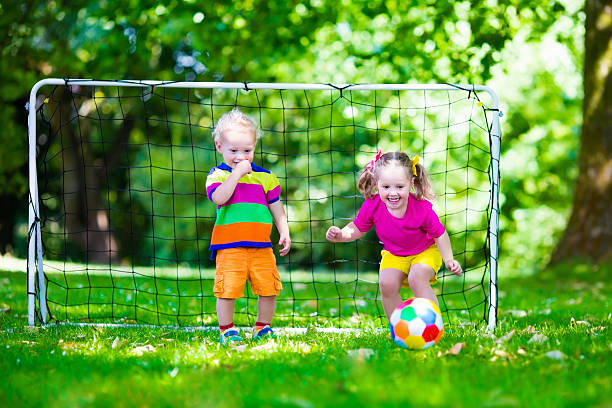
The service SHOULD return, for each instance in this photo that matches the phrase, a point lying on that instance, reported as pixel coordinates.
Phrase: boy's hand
(453, 266)
(334, 234)
(285, 241)
(244, 167)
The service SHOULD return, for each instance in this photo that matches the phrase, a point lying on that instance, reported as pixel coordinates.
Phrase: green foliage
(327, 41)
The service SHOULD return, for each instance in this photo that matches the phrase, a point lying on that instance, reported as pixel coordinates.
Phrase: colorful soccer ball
(416, 324)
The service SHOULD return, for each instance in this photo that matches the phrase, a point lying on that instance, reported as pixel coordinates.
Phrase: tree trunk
(83, 180)
(589, 230)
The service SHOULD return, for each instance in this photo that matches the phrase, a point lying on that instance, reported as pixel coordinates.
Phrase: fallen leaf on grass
(506, 337)
(502, 354)
(555, 355)
(538, 338)
(360, 354)
(530, 330)
(70, 345)
(139, 351)
(118, 343)
(574, 322)
(5, 309)
(455, 350)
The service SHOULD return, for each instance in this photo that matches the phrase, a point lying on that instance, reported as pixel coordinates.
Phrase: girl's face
(393, 186)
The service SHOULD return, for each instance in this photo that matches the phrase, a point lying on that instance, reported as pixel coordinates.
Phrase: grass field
(552, 347)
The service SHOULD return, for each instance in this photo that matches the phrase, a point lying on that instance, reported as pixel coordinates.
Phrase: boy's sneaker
(264, 333)
(230, 337)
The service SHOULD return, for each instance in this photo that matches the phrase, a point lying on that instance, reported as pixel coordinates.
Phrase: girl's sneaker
(264, 333)
(231, 337)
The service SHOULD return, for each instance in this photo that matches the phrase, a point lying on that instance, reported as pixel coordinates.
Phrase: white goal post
(38, 310)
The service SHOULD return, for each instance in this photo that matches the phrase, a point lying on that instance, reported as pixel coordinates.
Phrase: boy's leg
(225, 311)
(229, 284)
(266, 305)
(265, 313)
(225, 314)
(390, 282)
(418, 279)
(266, 283)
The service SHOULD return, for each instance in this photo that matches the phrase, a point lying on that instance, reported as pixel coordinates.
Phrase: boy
(248, 200)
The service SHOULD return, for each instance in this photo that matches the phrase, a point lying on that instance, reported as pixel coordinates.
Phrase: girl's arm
(444, 245)
(346, 234)
(280, 220)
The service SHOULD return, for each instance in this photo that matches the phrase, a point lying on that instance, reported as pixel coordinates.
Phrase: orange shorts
(236, 265)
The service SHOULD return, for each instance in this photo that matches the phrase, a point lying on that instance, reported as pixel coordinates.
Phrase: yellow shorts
(236, 265)
(431, 256)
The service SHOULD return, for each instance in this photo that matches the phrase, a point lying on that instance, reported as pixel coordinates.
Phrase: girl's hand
(285, 241)
(454, 267)
(334, 234)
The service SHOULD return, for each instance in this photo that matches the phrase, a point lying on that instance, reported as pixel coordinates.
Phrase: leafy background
(529, 52)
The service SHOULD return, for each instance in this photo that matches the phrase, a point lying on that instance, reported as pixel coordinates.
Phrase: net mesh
(126, 224)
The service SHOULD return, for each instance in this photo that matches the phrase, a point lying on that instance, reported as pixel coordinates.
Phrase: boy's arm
(349, 233)
(225, 191)
(444, 245)
(280, 220)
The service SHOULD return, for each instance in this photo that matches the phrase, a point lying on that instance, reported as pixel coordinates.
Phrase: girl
(415, 242)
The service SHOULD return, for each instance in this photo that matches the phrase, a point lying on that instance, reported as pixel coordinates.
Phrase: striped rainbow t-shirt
(245, 219)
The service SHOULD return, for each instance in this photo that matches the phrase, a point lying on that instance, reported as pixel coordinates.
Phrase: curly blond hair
(232, 119)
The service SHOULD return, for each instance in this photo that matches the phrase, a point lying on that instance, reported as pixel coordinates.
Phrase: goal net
(120, 225)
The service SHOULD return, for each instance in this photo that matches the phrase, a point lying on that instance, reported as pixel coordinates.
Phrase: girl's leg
(418, 279)
(225, 311)
(265, 308)
(390, 282)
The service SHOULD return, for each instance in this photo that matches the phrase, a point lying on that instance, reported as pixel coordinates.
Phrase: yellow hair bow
(414, 163)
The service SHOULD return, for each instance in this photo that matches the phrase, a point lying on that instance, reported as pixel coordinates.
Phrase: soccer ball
(416, 324)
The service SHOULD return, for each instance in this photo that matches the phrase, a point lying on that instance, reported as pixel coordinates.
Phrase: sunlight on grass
(551, 331)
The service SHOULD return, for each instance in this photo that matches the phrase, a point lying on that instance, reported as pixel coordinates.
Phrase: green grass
(552, 347)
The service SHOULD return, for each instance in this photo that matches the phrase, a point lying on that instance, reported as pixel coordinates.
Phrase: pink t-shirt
(405, 236)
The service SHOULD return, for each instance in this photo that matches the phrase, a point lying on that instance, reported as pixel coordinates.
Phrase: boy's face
(237, 144)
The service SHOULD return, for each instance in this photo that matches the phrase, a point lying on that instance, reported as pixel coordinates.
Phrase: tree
(338, 41)
(589, 230)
